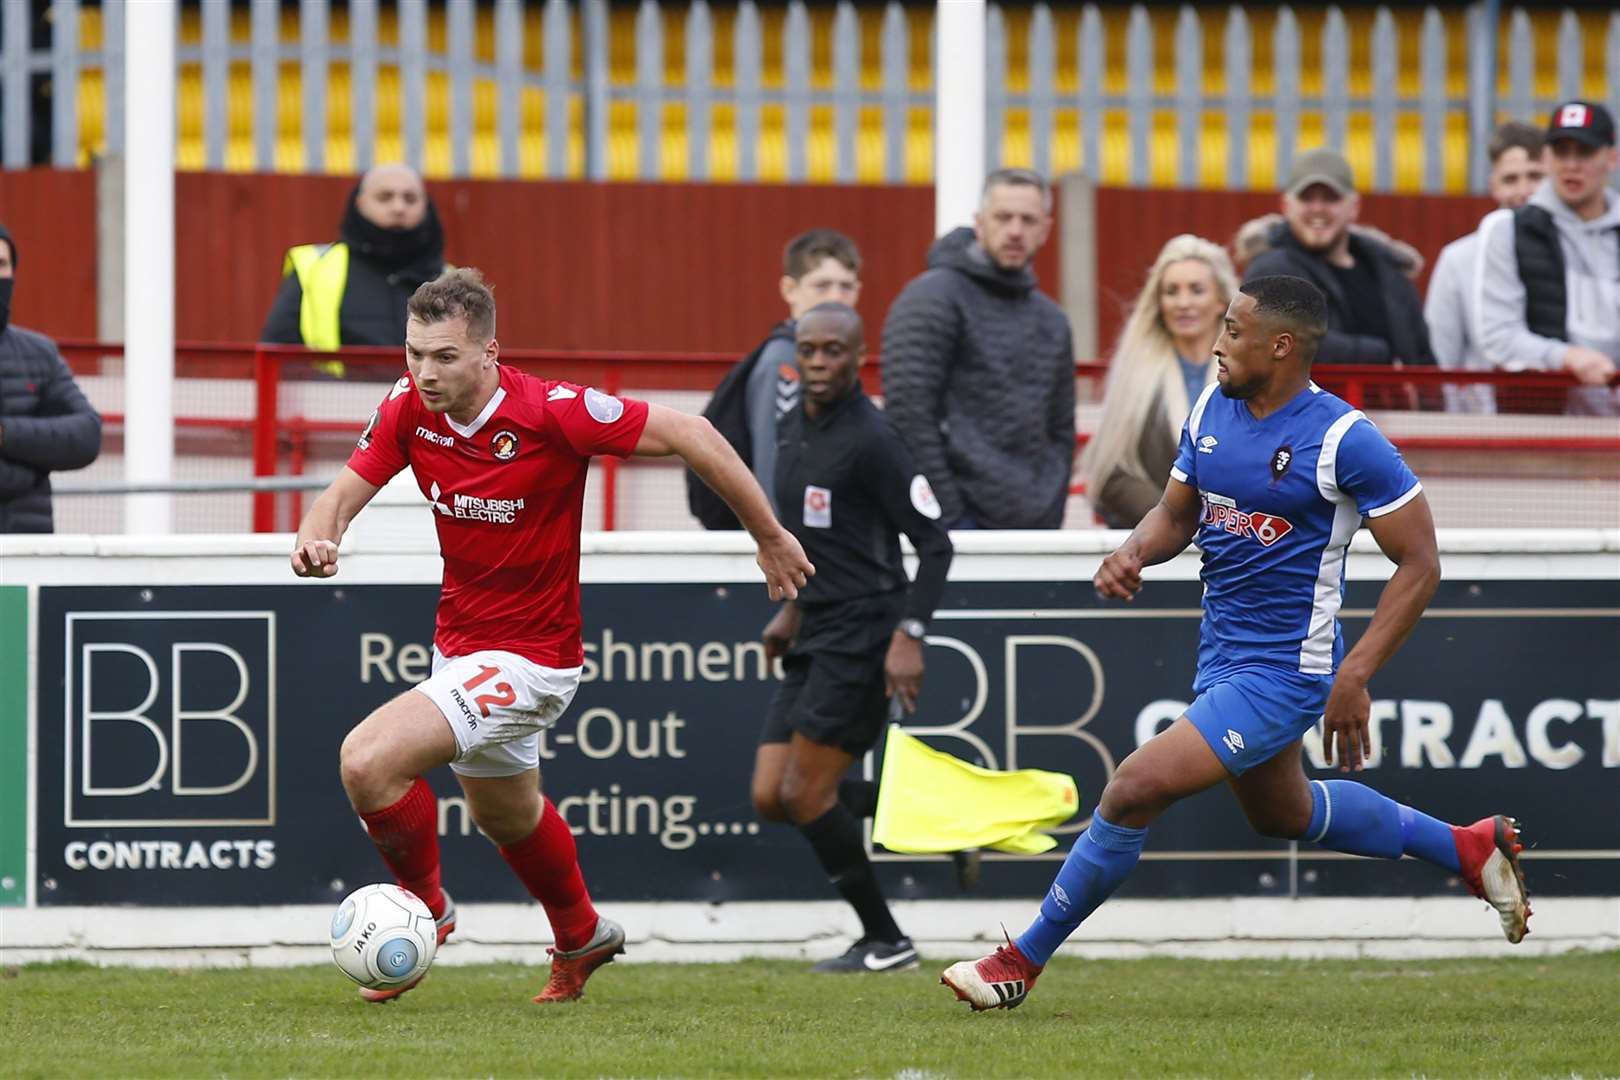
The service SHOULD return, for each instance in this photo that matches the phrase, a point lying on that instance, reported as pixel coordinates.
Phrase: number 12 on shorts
(503, 696)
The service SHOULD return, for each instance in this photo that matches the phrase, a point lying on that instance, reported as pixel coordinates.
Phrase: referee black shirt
(846, 488)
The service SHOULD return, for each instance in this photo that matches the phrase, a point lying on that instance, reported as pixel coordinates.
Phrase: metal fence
(1190, 97)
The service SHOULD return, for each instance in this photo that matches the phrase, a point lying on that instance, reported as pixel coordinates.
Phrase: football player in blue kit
(1273, 477)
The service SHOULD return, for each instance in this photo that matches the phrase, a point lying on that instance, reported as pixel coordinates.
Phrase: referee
(846, 487)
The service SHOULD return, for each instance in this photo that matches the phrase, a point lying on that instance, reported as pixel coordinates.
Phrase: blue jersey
(1281, 499)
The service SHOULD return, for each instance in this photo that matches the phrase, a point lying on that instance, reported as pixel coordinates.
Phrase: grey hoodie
(1592, 281)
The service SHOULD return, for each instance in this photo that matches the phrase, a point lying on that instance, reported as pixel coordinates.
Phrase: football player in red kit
(501, 457)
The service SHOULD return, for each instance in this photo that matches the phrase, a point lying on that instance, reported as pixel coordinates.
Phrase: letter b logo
(170, 718)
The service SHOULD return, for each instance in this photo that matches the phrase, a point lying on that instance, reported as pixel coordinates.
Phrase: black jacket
(385, 268)
(1409, 334)
(846, 487)
(978, 377)
(45, 425)
(728, 412)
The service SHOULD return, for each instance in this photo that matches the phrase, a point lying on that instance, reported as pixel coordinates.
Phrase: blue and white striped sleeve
(1185, 468)
(1372, 472)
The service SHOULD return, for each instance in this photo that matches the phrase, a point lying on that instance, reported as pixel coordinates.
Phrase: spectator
(978, 367)
(1548, 293)
(819, 266)
(1374, 314)
(353, 291)
(1160, 366)
(1254, 237)
(1516, 171)
(45, 422)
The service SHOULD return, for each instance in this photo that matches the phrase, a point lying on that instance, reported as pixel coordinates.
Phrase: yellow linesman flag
(929, 801)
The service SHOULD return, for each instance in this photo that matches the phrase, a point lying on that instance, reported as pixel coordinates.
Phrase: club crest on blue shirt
(1281, 459)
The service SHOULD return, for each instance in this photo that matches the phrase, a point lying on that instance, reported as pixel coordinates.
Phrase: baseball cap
(1583, 121)
(1321, 166)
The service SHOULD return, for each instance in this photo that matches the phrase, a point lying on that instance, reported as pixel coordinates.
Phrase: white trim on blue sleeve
(1391, 507)
(1178, 475)
(1196, 418)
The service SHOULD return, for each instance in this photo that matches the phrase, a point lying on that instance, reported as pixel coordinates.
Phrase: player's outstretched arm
(694, 439)
(1162, 535)
(1406, 536)
(315, 552)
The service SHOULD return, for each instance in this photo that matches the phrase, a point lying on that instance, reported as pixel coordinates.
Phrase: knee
(1280, 822)
(363, 766)
(768, 801)
(1134, 792)
(802, 800)
(506, 826)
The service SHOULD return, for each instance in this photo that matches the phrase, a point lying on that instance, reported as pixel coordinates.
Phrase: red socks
(547, 862)
(407, 835)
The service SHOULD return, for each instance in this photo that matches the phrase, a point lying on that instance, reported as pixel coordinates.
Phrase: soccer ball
(383, 936)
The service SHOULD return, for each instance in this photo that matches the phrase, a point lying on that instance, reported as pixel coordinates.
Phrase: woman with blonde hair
(1160, 365)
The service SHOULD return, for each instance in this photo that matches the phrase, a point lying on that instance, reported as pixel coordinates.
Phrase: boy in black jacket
(818, 266)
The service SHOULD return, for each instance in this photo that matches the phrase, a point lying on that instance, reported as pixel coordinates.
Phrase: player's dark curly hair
(1292, 303)
(458, 292)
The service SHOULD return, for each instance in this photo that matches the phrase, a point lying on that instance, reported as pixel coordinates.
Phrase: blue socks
(1351, 817)
(1097, 863)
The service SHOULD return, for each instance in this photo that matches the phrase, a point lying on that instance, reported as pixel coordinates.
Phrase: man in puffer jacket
(978, 367)
(45, 422)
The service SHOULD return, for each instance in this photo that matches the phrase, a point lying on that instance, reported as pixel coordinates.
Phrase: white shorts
(497, 703)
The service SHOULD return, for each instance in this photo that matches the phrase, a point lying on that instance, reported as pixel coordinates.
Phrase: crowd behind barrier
(258, 410)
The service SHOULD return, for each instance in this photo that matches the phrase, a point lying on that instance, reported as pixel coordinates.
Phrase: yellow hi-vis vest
(323, 273)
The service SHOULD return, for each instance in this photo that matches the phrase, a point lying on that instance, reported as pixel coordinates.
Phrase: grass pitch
(1509, 1017)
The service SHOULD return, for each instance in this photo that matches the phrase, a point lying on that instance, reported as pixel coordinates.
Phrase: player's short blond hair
(460, 292)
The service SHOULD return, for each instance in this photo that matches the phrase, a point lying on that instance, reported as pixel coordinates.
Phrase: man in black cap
(1374, 314)
(45, 422)
(1549, 292)
(354, 291)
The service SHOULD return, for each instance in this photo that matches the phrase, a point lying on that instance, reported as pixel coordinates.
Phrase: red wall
(52, 217)
(650, 267)
(647, 267)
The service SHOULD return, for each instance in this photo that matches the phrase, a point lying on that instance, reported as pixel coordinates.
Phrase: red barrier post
(266, 382)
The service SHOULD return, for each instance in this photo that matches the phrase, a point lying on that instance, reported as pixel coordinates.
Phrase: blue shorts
(1248, 712)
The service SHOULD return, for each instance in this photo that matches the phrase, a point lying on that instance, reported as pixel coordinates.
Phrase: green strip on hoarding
(13, 745)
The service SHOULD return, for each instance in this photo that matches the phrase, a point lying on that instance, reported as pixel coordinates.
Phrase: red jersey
(507, 494)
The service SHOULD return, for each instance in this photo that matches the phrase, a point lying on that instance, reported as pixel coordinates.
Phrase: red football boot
(1489, 852)
(1001, 980)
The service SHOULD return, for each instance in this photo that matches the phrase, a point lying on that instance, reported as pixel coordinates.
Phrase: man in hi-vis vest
(353, 291)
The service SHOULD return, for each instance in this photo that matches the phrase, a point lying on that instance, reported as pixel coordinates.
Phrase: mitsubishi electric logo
(473, 508)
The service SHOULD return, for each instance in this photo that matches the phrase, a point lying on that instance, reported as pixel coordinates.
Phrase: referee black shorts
(832, 698)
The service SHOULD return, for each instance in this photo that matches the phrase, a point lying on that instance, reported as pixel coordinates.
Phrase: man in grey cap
(1374, 314)
(1549, 293)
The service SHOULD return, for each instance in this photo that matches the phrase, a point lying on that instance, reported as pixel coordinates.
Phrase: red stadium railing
(276, 437)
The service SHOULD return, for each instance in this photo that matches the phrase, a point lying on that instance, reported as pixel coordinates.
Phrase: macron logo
(434, 437)
(560, 393)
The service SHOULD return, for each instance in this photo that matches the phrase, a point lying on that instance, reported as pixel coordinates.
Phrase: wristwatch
(915, 629)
